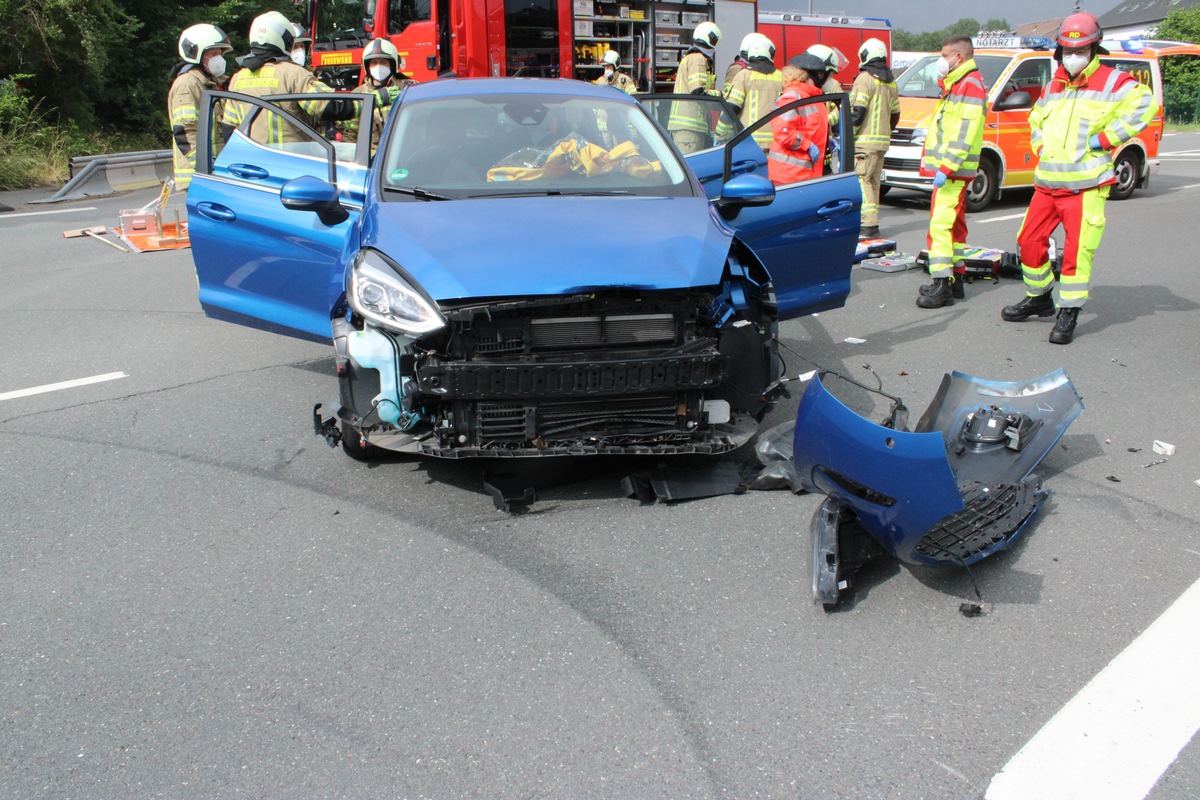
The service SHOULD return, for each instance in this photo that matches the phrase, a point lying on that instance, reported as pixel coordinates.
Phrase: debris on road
(1155, 463)
(94, 233)
(1163, 448)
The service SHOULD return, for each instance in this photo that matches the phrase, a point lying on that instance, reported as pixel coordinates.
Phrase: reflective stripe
(791, 161)
(956, 136)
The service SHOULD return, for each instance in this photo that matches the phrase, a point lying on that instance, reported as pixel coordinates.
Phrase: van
(1015, 70)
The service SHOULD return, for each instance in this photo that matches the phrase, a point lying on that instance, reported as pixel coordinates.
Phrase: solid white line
(1118, 736)
(43, 213)
(54, 387)
(1191, 186)
(997, 219)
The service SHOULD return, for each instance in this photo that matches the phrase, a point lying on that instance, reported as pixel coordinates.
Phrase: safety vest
(955, 138)
(881, 100)
(280, 77)
(794, 131)
(183, 106)
(755, 93)
(695, 72)
(1100, 101)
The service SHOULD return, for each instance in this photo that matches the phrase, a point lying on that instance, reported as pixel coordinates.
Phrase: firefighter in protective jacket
(875, 106)
(1087, 110)
(688, 123)
(381, 63)
(755, 89)
(952, 157)
(611, 61)
(201, 47)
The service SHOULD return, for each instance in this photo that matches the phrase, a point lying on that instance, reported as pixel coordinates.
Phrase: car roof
(1152, 49)
(535, 87)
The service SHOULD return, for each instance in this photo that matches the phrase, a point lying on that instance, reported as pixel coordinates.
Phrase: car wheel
(1128, 168)
(982, 190)
(353, 446)
(883, 189)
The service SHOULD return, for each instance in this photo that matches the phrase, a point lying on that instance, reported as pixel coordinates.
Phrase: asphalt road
(201, 599)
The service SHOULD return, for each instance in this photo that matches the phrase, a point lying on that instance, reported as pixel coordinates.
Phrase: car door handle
(214, 211)
(742, 167)
(249, 172)
(835, 210)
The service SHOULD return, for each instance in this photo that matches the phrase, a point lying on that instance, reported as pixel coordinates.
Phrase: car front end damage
(608, 371)
(954, 491)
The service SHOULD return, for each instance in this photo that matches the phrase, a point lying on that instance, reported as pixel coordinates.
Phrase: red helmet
(1078, 30)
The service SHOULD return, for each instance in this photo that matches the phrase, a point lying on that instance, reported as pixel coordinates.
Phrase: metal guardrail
(97, 175)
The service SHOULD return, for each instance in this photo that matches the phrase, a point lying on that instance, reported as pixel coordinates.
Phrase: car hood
(506, 247)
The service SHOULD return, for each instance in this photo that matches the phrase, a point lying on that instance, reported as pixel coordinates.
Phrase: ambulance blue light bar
(1012, 41)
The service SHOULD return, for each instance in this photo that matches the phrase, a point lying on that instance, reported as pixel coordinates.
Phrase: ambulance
(1015, 70)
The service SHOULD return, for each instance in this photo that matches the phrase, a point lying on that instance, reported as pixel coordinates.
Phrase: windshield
(921, 80)
(528, 144)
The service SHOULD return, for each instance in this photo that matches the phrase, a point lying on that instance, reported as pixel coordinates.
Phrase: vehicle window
(275, 132)
(722, 126)
(504, 144)
(1030, 75)
(1137, 67)
(402, 13)
(339, 24)
(921, 80)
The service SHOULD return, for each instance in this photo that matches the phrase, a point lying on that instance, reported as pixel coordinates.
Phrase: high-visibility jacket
(694, 76)
(379, 111)
(882, 101)
(620, 80)
(794, 131)
(755, 94)
(1100, 101)
(833, 86)
(279, 77)
(183, 107)
(955, 138)
(737, 66)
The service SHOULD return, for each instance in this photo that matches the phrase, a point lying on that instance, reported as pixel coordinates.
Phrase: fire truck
(559, 38)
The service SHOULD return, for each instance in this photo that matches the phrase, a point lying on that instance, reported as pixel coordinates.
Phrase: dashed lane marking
(44, 213)
(1118, 736)
(997, 219)
(54, 387)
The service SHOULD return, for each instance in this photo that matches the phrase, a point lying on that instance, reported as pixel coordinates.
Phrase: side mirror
(313, 194)
(751, 189)
(1014, 101)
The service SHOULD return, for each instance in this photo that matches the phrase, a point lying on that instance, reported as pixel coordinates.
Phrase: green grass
(1178, 127)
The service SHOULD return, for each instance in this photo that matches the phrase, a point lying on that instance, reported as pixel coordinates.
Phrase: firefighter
(1086, 110)
(952, 156)
(829, 84)
(383, 78)
(875, 110)
(739, 62)
(612, 73)
(268, 70)
(688, 123)
(301, 46)
(756, 88)
(798, 147)
(202, 48)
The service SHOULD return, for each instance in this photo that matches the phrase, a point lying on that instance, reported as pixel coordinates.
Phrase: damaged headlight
(379, 293)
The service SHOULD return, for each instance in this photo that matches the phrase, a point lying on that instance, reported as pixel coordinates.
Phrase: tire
(883, 190)
(352, 445)
(982, 190)
(1128, 168)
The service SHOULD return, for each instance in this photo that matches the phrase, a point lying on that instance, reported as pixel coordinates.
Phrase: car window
(1030, 75)
(504, 144)
(1137, 67)
(921, 80)
(274, 132)
(722, 125)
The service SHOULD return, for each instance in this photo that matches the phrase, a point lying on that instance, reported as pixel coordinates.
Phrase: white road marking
(43, 213)
(54, 387)
(1191, 186)
(1118, 736)
(997, 219)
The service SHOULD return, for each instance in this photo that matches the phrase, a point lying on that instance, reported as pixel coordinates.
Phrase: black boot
(1064, 328)
(868, 232)
(1041, 305)
(956, 288)
(940, 294)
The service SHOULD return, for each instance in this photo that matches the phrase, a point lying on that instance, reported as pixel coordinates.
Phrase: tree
(1181, 74)
(932, 41)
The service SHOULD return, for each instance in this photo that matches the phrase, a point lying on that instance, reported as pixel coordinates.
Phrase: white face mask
(1074, 64)
(216, 66)
(608, 72)
(942, 67)
(299, 56)
(380, 72)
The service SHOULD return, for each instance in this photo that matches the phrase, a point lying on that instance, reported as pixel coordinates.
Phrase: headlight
(382, 296)
(918, 136)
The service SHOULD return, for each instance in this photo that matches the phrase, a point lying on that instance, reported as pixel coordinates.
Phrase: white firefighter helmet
(611, 57)
(760, 47)
(870, 50)
(300, 35)
(198, 38)
(707, 33)
(272, 29)
(381, 48)
(826, 55)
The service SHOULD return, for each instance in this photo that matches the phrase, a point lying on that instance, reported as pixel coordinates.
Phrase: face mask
(608, 72)
(380, 72)
(216, 66)
(942, 67)
(298, 56)
(1074, 64)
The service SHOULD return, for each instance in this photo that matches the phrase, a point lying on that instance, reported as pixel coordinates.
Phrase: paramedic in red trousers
(798, 147)
(1086, 111)
(952, 157)
(875, 110)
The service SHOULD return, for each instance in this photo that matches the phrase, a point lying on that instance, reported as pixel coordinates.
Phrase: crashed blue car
(523, 267)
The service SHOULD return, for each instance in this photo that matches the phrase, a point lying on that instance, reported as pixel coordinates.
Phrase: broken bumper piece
(956, 490)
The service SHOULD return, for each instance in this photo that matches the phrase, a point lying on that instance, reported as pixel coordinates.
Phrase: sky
(919, 16)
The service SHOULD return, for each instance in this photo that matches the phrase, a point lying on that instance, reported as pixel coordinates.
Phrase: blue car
(522, 267)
